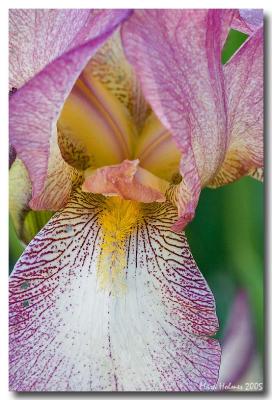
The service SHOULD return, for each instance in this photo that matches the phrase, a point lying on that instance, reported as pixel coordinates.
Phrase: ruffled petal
(244, 93)
(35, 107)
(37, 37)
(177, 57)
(68, 334)
(238, 345)
(127, 180)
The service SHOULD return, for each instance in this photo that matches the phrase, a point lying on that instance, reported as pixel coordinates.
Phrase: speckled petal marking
(67, 334)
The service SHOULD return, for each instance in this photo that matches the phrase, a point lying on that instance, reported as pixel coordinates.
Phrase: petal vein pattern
(37, 37)
(244, 93)
(35, 107)
(177, 58)
(69, 334)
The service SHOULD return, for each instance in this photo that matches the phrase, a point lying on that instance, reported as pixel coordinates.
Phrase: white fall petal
(69, 334)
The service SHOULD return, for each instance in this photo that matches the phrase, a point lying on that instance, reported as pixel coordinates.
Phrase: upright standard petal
(35, 107)
(67, 333)
(37, 37)
(177, 57)
(244, 94)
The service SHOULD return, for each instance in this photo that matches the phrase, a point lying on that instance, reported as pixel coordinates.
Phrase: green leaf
(233, 42)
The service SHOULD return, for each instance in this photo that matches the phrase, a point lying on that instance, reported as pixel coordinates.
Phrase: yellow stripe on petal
(95, 128)
(157, 150)
(110, 67)
(118, 220)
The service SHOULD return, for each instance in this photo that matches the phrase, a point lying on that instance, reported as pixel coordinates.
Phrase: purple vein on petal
(34, 108)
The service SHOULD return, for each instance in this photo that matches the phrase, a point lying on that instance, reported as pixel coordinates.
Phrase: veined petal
(177, 57)
(60, 180)
(257, 173)
(111, 68)
(127, 180)
(68, 334)
(238, 343)
(35, 107)
(37, 37)
(244, 93)
(252, 18)
(95, 124)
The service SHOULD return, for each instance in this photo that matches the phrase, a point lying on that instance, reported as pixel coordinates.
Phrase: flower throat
(118, 219)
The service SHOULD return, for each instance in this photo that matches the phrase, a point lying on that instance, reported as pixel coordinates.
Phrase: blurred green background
(226, 238)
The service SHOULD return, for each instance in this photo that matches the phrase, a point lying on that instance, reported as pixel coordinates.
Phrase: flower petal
(252, 17)
(238, 343)
(245, 20)
(95, 124)
(67, 334)
(59, 181)
(244, 93)
(177, 57)
(111, 68)
(12, 155)
(127, 180)
(157, 150)
(37, 37)
(257, 173)
(35, 107)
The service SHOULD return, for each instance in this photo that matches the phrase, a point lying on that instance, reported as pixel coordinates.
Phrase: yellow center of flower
(118, 219)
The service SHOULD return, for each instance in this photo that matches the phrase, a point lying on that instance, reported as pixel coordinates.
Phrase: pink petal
(238, 343)
(253, 18)
(35, 107)
(177, 57)
(244, 93)
(37, 37)
(67, 334)
(12, 155)
(127, 180)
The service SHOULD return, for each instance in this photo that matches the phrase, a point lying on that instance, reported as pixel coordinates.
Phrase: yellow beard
(118, 219)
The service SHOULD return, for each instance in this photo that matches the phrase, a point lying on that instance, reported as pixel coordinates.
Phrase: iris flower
(117, 120)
